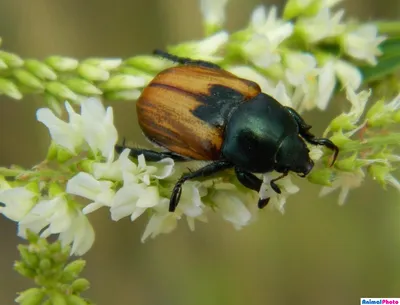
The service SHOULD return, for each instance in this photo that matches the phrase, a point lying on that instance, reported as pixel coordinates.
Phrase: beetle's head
(293, 155)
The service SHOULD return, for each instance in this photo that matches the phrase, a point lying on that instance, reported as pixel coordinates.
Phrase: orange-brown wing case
(184, 109)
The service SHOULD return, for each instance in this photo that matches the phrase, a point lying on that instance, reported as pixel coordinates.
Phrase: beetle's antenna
(171, 57)
(184, 60)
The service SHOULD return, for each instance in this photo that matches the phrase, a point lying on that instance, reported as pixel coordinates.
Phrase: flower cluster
(292, 58)
(127, 187)
(364, 154)
(293, 54)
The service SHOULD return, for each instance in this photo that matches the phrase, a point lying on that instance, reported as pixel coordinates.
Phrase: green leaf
(383, 68)
(388, 63)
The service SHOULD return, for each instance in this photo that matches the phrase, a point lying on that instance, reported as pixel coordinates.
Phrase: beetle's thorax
(254, 133)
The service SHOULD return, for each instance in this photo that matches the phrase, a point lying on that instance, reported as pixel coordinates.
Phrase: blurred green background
(317, 253)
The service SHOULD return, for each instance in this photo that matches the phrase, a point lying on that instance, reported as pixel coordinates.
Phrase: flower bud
(82, 86)
(62, 64)
(12, 60)
(61, 91)
(93, 73)
(28, 79)
(40, 69)
(9, 88)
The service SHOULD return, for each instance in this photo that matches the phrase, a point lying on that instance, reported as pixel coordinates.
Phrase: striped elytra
(185, 109)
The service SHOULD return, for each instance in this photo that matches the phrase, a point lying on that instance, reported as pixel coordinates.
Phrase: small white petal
(363, 43)
(281, 95)
(258, 17)
(210, 45)
(17, 202)
(149, 198)
(348, 74)
(326, 85)
(62, 133)
(81, 234)
(136, 213)
(299, 65)
(165, 168)
(248, 73)
(159, 224)
(261, 51)
(98, 127)
(213, 11)
(232, 208)
(85, 185)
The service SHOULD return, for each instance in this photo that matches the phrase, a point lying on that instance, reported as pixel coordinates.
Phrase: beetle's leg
(205, 171)
(185, 61)
(274, 186)
(252, 182)
(150, 155)
(309, 137)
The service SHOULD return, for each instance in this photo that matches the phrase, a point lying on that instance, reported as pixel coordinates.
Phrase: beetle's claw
(175, 197)
(275, 187)
(335, 155)
(262, 202)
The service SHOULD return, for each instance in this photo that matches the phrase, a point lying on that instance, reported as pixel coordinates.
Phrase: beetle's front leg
(304, 129)
(150, 155)
(252, 182)
(208, 170)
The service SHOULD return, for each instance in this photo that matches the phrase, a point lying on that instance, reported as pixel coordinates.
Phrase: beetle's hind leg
(150, 155)
(252, 182)
(309, 137)
(208, 170)
(185, 61)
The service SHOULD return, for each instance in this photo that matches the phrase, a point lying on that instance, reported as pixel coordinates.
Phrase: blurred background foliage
(317, 253)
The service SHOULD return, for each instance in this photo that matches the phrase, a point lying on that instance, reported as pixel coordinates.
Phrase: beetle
(199, 111)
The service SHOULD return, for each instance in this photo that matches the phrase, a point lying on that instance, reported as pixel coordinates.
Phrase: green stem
(391, 139)
(9, 172)
(391, 28)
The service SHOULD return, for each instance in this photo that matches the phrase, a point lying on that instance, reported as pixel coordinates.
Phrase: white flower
(298, 67)
(205, 49)
(53, 214)
(57, 216)
(277, 200)
(232, 204)
(80, 234)
(190, 205)
(363, 43)
(261, 51)
(321, 26)
(124, 167)
(268, 33)
(348, 74)
(272, 27)
(161, 221)
(17, 202)
(281, 95)
(213, 11)
(98, 127)
(249, 73)
(345, 181)
(67, 135)
(302, 73)
(85, 185)
(358, 103)
(326, 85)
(133, 199)
(94, 126)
